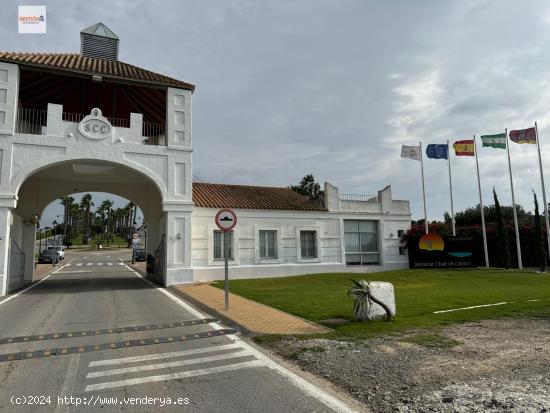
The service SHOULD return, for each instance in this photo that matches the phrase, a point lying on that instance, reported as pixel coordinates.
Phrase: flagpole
(518, 245)
(423, 189)
(543, 189)
(481, 207)
(451, 189)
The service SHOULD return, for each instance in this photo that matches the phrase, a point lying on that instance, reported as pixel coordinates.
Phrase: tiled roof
(76, 63)
(251, 197)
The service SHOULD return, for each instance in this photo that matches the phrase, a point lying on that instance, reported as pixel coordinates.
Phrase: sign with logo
(95, 126)
(226, 219)
(31, 19)
(135, 236)
(434, 251)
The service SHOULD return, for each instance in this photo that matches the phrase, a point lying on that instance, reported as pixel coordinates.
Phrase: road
(97, 331)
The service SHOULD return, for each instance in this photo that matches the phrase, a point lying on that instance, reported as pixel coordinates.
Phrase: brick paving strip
(250, 315)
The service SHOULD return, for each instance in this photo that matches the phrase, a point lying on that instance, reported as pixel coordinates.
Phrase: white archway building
(88, 122)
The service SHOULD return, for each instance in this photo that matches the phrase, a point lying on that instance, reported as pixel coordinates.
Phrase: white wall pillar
(9, 94)
(29, 242)
(5, 224)
(178, 245)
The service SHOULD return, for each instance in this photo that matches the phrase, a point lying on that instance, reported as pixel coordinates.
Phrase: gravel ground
(494, 366)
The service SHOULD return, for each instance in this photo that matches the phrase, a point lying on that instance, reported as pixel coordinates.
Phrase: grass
(418, 294)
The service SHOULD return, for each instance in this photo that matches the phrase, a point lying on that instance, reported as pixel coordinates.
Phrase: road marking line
(76, 272)
(469, 308)
(89, 263)
(170, 364)
(109, 263)
(79, 264)
(173, 376)
(99, 263)
(158, 356)
(68, 383)
(68, 265)
(301, 383)
(34, 285)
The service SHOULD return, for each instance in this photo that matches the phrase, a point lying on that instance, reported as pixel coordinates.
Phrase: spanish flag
(464, 148)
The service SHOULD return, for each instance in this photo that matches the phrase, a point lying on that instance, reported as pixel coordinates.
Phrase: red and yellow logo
(431, 242)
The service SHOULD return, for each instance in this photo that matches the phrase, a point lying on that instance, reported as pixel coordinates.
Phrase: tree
(67, 202)
(308, 187)
(85, 205)
(539, 246)
(503, 258)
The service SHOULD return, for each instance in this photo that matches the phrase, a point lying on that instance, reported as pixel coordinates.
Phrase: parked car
(140, 254)
(60, 250)
(48, 255)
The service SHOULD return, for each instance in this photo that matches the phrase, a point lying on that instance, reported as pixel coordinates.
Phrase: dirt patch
(489, 366)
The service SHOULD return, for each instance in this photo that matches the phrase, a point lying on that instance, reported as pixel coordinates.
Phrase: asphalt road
(99, 333)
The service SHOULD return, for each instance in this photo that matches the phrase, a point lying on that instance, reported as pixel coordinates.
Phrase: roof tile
(251, 197)
(76, 63)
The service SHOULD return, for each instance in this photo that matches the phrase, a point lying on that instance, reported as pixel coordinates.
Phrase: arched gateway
(88, 122)
(68, 125)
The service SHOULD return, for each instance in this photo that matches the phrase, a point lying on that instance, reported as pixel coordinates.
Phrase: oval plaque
(95, 126)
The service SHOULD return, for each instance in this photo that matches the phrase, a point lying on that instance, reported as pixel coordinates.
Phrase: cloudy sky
(334, 88)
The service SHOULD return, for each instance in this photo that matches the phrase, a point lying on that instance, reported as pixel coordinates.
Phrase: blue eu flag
(437, 151)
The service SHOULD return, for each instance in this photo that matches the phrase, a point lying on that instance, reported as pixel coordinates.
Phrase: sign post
(226, 220)
(135, 244)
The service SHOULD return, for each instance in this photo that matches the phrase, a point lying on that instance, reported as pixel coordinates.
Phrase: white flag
(411, 152)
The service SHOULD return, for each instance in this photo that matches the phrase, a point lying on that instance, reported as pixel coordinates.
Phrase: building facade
(87, 122)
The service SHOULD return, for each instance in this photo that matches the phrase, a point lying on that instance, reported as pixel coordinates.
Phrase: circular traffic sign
(135, 236)
(226, 219)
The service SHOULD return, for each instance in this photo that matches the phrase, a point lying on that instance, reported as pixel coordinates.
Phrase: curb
(214, 313)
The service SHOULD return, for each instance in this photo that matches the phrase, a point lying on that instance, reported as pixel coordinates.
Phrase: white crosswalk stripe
(174, 376)
(229, 354)
(99, 264)
(159, 356)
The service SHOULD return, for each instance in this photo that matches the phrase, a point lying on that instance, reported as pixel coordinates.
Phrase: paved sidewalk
(253, 316)
(41, 270)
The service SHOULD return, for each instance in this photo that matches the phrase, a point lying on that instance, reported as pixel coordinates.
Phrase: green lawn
(418, 294)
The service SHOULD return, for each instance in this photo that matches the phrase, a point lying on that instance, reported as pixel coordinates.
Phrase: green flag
(494, 141)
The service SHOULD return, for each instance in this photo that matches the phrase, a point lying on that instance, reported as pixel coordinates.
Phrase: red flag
(524, 136)
(464, 148)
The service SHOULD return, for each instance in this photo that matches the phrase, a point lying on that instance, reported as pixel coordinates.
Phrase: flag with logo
(464, 147)
(523, 136)
(494, 141)
(437, 151)
(410, 152)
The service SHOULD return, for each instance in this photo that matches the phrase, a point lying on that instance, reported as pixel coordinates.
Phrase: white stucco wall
(331, 249)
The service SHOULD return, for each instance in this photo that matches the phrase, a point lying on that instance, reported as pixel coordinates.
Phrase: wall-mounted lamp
(33, 219)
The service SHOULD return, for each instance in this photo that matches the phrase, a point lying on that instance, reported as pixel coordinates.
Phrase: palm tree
(66, 201)
(85, 205)
(105, 212)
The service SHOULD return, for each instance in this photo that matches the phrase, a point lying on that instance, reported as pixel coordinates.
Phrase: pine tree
(539, 247)
(503, 258)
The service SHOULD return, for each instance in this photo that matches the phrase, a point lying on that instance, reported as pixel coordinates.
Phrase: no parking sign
(226, 220)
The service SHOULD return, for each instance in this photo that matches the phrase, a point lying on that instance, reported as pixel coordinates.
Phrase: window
(308, 244)
(268, 244)
(218, 245)
(400, 233)
(402, 251)
(361, 242)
